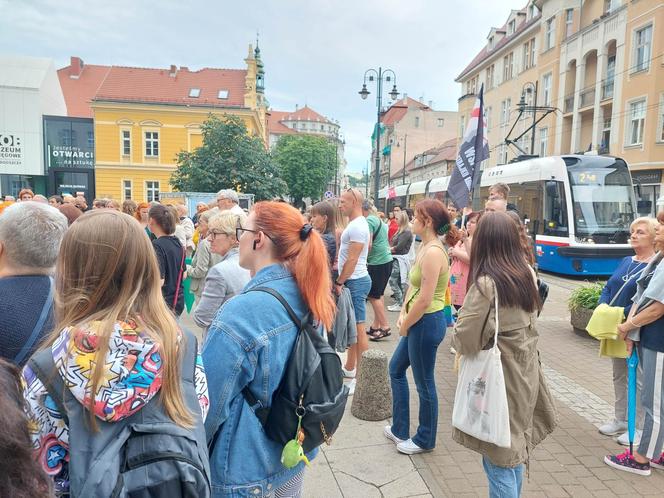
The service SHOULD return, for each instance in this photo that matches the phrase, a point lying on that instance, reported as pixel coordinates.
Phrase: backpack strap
(32, 338)
(189, 356)
(180, 273)
(43, 366)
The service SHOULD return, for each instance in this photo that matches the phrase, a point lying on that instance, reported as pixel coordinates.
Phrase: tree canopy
(306, 163)
(228, 158)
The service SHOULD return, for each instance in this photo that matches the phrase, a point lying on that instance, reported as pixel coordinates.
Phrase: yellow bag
(605, 320)
(612, 348)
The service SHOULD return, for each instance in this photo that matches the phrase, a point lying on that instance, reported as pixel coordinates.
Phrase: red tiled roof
(398, 110)
(133, 84)
(78, 92)
(485, 52)
(444, 152)
(306, 113)
(274, 125)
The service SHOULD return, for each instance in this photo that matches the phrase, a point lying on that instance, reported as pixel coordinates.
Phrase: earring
(255, 244)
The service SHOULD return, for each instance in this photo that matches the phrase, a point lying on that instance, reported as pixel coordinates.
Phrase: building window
(606, 137)
(609, 6)
(642, 48)
(526, 55)
(195, 93)
(126, 143)
(569, 22)
(508, 66)
(487, 117)
(511, 26)
(66, 137)
(322, 127)
(549, 34)
(417, 121)
(223, 94)
(91, 139)
(637, 118)
(532, 10)
(126, 189)
(152, 143)
(505, 110)
(462, 125)
(543, 141)
(441, 122)
(532, 52)
(152, 191)
(489, 76)
(546, 89)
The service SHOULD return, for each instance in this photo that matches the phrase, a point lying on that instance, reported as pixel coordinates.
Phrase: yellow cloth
(612, 348)
(196, 237)
(605, 320)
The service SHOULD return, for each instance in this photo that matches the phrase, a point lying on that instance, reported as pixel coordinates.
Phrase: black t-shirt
(170, 253)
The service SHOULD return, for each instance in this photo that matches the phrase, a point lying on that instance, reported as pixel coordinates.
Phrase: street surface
(362, 463)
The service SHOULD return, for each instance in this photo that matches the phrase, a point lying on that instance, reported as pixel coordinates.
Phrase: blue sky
(315, 51)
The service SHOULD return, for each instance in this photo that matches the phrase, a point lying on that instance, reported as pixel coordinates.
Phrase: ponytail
(303, 251)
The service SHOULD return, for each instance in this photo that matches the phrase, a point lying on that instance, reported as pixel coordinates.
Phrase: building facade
(306, 120)
(408, 128)
(598, 64)
(143, 117)
(432, 163)
(29, 89)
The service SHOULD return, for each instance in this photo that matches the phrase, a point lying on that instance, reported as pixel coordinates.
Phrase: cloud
(314, 51)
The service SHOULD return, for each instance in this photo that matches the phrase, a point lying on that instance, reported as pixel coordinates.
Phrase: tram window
(527, 197)
(555, 211)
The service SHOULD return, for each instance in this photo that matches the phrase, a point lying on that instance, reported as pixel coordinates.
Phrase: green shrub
(586, 296)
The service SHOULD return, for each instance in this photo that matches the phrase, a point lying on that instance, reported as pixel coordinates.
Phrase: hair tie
(305, 231)
(444, 229)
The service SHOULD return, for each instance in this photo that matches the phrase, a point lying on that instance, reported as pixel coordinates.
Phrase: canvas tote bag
(480, 403)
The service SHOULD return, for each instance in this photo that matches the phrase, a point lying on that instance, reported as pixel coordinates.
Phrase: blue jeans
(504, 482)
(417, 350)
(359, 290)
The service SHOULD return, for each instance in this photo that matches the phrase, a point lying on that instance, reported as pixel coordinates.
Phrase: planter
(579, 318)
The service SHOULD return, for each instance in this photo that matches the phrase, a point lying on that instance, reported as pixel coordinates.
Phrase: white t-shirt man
(356, 231)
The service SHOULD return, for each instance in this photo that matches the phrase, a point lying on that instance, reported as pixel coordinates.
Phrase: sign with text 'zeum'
(11, 149)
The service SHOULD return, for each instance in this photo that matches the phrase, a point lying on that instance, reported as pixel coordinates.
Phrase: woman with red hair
(250, 341)
(141, 214)
(25, 195)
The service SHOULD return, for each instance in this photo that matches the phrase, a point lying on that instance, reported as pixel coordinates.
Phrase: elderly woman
(644, 328)
(226, 278)
(203, 259)
(619, 291)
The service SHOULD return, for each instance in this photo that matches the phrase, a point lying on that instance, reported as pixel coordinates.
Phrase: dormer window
(511, 27)
(195, 93)
(491, 43)
(223, 94)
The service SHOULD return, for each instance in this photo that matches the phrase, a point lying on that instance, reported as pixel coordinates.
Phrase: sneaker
(387, 432)
(351, 387)
(452, 350)
(625, 462)
(348, 374)
(394, 307)
(659, 463)
(624, 439)
(409, 448)
(613, 428)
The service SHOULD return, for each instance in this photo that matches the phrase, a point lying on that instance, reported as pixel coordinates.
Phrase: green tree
(228, 158)
(306, 164)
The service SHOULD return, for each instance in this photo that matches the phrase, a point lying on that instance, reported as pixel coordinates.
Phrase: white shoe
(387, 432)
(624, 439)
(348, 374)
(394, 307)
(409, 448)
(613, 428)
(351, 387)
(453, 351)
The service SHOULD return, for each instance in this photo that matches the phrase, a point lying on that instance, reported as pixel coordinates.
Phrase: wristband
(336, 282)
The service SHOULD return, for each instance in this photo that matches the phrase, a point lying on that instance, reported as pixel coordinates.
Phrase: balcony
(587, 98)
(607, 89)
(569, 104)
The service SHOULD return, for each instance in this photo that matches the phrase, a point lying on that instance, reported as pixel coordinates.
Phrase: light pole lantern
(380, 76)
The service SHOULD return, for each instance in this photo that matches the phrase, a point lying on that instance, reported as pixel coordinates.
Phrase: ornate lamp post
(379, 76)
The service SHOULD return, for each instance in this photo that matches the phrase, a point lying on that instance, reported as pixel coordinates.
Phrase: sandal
(381, 334)
(372, 331)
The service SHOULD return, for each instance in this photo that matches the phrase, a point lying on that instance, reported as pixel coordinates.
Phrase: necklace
(639, 267)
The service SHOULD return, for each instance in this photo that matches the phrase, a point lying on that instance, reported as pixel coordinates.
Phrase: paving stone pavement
(361, 463)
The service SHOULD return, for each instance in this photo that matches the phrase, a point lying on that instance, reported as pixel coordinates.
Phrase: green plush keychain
(293, 453)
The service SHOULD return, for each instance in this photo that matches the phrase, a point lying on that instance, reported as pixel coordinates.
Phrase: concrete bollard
(373, 396)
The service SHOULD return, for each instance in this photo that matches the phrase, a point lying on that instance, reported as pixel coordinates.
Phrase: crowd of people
(90, 305)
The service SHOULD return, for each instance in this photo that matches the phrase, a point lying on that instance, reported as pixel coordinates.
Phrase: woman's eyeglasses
(239, 230)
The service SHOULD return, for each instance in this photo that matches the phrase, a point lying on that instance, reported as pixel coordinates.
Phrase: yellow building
(143, 117)
(599, 63)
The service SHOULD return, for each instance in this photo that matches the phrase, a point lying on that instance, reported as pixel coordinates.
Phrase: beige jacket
(533, 414)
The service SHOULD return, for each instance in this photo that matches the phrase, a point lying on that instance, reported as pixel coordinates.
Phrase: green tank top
(415, 279)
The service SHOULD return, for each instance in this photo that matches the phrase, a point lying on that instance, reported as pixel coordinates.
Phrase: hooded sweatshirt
(132, 377)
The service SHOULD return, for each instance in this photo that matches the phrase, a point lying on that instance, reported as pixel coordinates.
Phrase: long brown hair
(107, 272)
(20, 474)
(523, 237)
(496, 252)
(325, 208)
(441, 220)
(307, 259)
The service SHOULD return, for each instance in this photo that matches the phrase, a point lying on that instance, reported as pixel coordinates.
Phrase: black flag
(474, 149)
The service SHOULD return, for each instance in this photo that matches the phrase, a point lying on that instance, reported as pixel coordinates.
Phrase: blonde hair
(651, 223)
(403, 221)
(225, 222)
(107, 272)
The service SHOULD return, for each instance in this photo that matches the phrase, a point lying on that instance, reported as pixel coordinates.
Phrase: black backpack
(144, 455)
(312, 387)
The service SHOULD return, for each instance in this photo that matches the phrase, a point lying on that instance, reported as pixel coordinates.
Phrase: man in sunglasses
(353, 274)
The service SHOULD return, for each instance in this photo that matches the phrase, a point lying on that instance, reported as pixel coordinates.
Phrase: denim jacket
(248, 344)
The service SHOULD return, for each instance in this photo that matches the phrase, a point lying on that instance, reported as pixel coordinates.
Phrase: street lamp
(529, 87)
(379, 76)
(405, 143)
